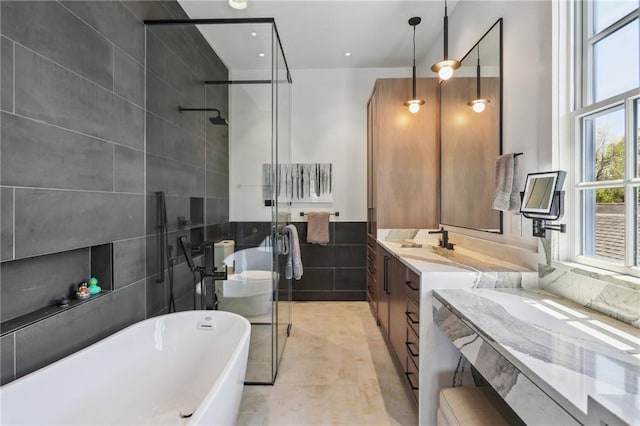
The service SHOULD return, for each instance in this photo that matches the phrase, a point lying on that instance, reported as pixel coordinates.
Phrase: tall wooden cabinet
(403, 158)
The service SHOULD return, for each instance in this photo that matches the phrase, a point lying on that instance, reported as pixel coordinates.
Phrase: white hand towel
(506, 197)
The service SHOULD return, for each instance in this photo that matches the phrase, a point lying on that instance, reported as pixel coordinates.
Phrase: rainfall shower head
(217, 120)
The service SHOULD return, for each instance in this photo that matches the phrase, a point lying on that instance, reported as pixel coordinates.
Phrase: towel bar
(332, 214)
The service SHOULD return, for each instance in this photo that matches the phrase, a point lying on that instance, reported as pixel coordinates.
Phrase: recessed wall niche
(32, 288)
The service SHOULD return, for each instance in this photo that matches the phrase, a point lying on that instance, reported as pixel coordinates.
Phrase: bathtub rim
(244, 338)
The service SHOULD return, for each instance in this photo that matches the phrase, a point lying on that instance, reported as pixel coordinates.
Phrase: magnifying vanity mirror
(471, 136)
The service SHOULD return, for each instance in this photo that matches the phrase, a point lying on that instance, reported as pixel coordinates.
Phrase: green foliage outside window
(609, 166)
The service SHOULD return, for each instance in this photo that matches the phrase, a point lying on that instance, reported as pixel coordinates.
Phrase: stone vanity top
(569, 352)
(424, 255)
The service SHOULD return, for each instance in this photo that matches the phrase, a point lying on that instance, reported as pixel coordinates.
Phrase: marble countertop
(431, 258)
(569, 352)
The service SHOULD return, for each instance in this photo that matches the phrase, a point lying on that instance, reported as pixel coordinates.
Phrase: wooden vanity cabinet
(398, 296)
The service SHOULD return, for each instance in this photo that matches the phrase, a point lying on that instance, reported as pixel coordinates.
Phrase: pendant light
(238, 4)
(414, 103)
(478, 104)
(446, 67)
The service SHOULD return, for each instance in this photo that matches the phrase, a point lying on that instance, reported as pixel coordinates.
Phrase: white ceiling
(317, 33)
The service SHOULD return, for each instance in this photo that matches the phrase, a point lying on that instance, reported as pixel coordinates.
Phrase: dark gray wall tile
(113, 20)
(222, 209)
(351, 279)
(304, 295)
(210, 67)
(6, 74)
(52, 221)
(157, 55)
(174, 178)
(212, 211)
(185, 303)
(183, 281)
(217, 185)
(350, 256)
(47, 92)
(128, 78)
(178, 41)
(315, 279)
(175, 10)
(129, 170)
(39, 155)
(7, 366)
(164, 100)
(76, 328)
(59, 36)
(31, 284)
(128, 261)
(169, 140)
(218, 149)
(6, 224)
(175, 205)
(350, 232)
(147, 9)
(156, 296)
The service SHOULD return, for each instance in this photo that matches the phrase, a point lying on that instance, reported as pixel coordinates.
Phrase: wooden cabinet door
(383, 270)
(397, 309)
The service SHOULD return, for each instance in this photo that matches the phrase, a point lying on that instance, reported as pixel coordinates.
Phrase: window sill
(616, 278)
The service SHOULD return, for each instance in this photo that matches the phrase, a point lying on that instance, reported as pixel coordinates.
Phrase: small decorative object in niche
(302, 183)
(83, 291)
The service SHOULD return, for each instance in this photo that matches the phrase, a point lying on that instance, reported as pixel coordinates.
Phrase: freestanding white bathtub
(184, 368)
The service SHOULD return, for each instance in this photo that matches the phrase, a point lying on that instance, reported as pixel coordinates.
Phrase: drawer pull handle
(411, 350)
(413, 321)
(408, 283)
(408, 375)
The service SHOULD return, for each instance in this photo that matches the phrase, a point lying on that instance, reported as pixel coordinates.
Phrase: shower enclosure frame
(276, 228)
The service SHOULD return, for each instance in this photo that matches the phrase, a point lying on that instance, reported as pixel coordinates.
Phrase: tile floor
(335, 370)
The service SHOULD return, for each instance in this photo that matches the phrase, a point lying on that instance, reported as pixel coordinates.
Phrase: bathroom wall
(328, 125)
(73, 155)
(527, 87)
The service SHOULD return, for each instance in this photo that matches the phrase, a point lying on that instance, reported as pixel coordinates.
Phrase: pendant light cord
(414, 63)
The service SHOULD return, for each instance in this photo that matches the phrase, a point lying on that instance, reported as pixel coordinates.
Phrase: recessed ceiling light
(253, 34)
(261, 54)
(238, 4)
(347, 54)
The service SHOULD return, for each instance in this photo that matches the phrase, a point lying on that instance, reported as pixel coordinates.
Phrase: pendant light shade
(446, 67)
(238, 4)
(478, 104)
(414, 103)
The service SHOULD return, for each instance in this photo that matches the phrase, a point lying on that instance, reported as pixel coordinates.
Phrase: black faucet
(444, 241)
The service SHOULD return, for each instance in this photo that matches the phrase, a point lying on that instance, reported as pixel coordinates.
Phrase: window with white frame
(607, 121)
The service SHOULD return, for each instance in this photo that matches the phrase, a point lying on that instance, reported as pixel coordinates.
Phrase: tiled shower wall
(73, 154)
(336, 271)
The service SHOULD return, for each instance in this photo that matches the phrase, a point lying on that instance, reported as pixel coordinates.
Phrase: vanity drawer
(413, 379)
(413, 316)
(413, 347)
(412, 282)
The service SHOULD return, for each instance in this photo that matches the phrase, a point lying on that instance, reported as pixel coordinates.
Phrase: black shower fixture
(217, 120)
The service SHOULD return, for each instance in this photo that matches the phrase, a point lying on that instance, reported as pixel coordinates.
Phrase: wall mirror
(470, 141)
